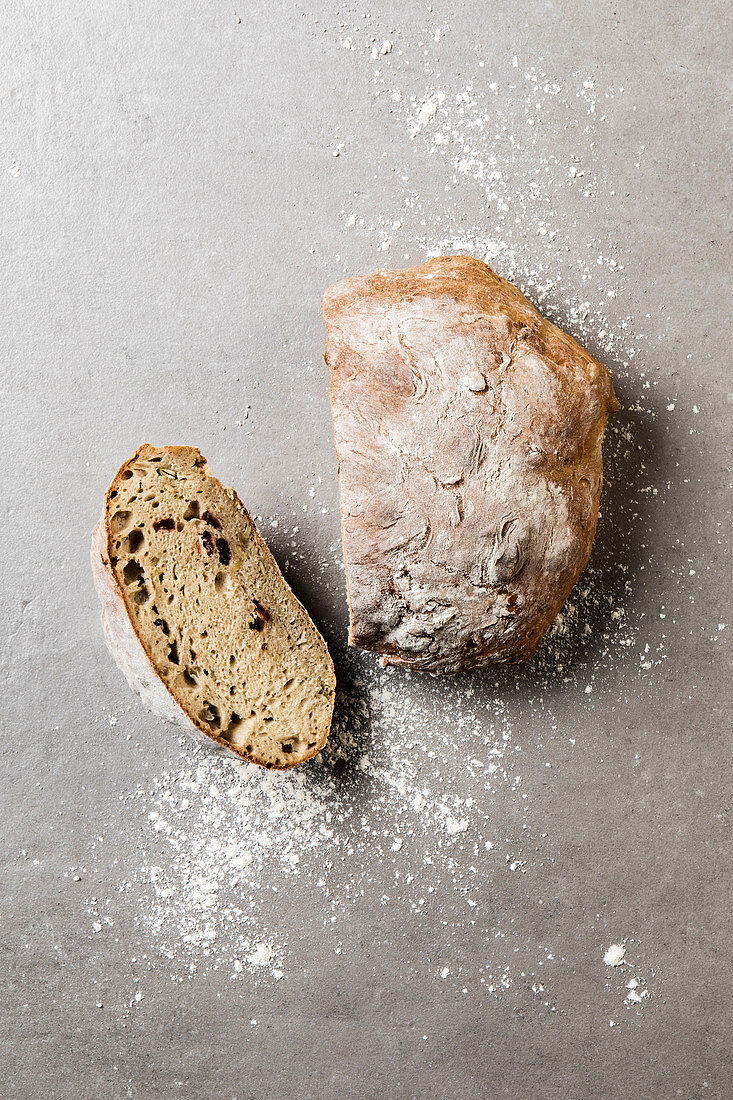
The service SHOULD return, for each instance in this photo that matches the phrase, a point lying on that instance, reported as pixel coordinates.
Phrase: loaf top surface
(367, 311)
(468, 430)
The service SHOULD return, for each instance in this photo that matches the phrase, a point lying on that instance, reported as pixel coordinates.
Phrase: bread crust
(128, 649)
(468, 432)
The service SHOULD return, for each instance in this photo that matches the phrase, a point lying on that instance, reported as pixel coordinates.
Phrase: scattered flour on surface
(428, 792)
(614, 955)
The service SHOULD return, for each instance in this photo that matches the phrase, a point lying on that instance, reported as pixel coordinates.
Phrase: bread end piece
(468, 433)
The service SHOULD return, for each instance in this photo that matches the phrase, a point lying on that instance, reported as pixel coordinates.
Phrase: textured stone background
(172, 210)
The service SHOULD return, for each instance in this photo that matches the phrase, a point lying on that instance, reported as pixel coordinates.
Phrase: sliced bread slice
(199, 617)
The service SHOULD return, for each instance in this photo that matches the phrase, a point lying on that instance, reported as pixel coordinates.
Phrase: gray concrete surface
(172, 210)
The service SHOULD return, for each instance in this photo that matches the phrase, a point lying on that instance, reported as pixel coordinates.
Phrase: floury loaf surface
(468, 430)
(199, 617)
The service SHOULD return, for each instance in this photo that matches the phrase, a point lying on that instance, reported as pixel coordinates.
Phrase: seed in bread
(199, 617)
(468, 430)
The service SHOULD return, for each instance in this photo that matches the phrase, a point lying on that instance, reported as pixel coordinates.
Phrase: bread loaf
(468, 430)
(199, 617)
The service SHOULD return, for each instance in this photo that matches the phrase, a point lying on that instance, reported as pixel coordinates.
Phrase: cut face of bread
(199, 617)
(468, 430)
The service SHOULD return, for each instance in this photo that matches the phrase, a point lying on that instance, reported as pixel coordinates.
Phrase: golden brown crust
(123, 638)
(468, 431)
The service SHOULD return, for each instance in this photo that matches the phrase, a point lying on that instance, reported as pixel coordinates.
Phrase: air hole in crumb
(119, 521)
(132, 572)
(161, 623)
(156, 459)
(127, 475)
(134, 541)
(193, 511)
(142, 594)
(210, 714)
(189, 679)
(173, 653)
(286, 746)
(232, 661)
(223, 583)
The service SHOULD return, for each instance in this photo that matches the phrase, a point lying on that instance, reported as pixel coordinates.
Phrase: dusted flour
(429, 793)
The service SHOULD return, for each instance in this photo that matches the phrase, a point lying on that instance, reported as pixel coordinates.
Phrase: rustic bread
(468, 431)
(199, 617)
